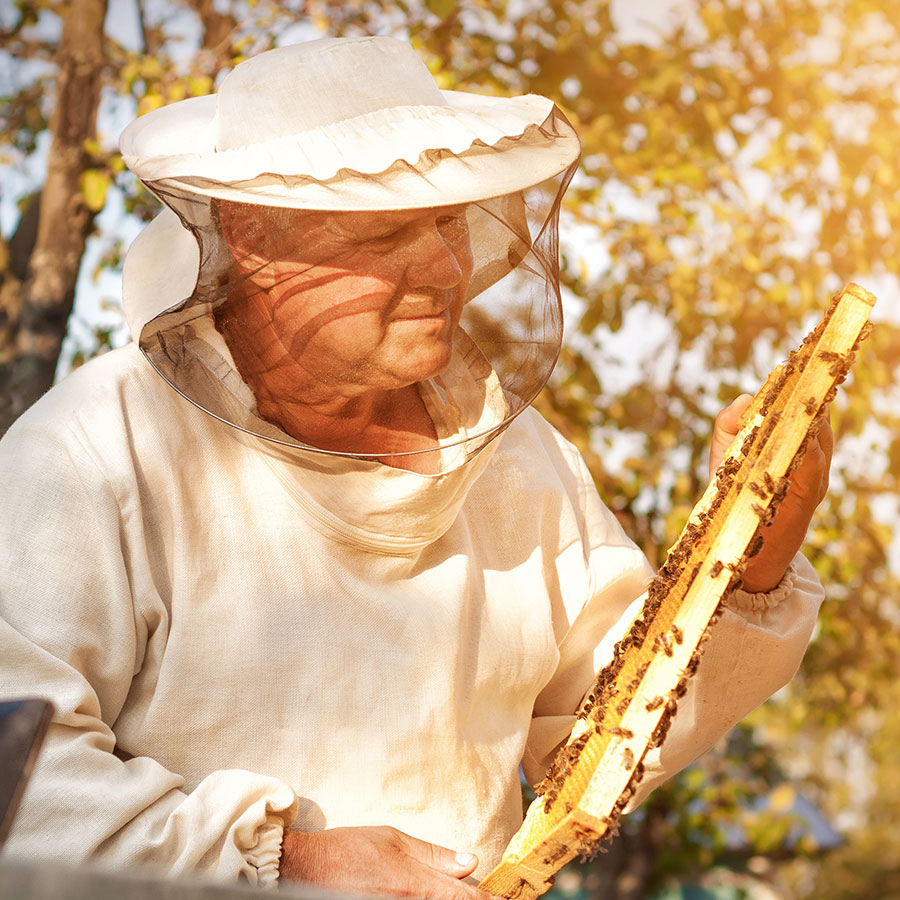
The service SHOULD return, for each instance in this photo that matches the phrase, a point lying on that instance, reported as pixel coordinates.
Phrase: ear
(242, 226)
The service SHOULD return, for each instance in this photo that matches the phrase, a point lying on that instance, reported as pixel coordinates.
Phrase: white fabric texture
(224, 666)
(314, 111)
(325, 150)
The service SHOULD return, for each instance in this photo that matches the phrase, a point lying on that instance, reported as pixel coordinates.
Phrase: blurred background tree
(739, 166)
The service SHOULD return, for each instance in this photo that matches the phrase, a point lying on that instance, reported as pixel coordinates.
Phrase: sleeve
(70, 632)
(755, 648)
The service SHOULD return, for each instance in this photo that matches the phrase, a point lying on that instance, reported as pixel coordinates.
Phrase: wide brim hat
(348, 124)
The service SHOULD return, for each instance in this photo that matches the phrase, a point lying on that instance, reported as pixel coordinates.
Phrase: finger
(826, 434)
(725, 429)
(809, 483)
(419, 880)
(812, 474)
(730, 417)
(450, 862)
(821, 431)
(434, 885)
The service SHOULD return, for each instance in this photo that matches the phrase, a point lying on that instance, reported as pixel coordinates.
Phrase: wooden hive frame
(631, 704)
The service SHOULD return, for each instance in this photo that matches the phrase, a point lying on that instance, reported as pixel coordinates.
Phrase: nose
(432, 260)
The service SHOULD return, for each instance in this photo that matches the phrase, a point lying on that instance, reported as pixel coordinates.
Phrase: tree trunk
(218, 28)
(36, 311)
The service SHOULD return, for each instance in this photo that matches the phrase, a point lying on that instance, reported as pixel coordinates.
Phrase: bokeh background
(740, 165)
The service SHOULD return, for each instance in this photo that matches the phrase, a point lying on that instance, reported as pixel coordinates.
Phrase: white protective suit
(243, 634)
(240, 637)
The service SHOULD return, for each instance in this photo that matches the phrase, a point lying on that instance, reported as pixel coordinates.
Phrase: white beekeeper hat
(353, 125)
(284, 130)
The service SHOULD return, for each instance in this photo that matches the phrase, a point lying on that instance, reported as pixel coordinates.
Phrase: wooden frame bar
(630, 706)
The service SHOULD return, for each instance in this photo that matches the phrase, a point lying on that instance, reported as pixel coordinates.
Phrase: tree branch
(28, 362)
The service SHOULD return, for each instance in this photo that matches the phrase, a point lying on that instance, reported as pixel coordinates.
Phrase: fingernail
(465, 860)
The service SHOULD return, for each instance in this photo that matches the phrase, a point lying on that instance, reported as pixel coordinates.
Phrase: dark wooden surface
(22, 727)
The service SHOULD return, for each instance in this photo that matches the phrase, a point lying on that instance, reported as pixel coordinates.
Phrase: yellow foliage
(93, 189)
(200, 85)
(751, 263)
(149, 102)
(707, 159)
(445, 80)
(782, 798)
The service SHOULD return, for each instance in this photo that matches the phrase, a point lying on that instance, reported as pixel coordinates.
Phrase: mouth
(424, 309)
(442, 315)
(436, 325)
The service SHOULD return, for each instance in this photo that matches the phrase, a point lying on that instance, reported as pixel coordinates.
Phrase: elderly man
(339, 316)
(306, 596)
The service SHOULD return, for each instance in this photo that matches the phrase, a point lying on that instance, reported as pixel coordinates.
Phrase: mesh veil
(298, 309)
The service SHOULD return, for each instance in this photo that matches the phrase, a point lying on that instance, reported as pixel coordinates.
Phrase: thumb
(727, 425)
(456, 865)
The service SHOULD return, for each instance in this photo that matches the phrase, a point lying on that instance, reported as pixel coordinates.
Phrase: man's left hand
(809, 484)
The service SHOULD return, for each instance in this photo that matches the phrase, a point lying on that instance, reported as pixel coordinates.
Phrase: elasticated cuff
(744, 601)
(265, 855)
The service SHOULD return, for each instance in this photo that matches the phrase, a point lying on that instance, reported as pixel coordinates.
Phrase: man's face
(360, 301)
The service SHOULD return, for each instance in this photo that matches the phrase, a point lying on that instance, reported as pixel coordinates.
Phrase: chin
(430, 366)
(419, 360)
(414, 374)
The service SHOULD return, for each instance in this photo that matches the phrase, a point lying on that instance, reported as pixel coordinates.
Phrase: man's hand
(378, 860)
(809, 483)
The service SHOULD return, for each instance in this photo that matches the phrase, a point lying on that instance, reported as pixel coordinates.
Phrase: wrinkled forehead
(359, 225)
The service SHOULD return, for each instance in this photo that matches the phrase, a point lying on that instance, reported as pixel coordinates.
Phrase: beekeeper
(305, 577)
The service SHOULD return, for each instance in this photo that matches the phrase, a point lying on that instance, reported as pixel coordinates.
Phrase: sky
(626, 354)
(648, 21)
